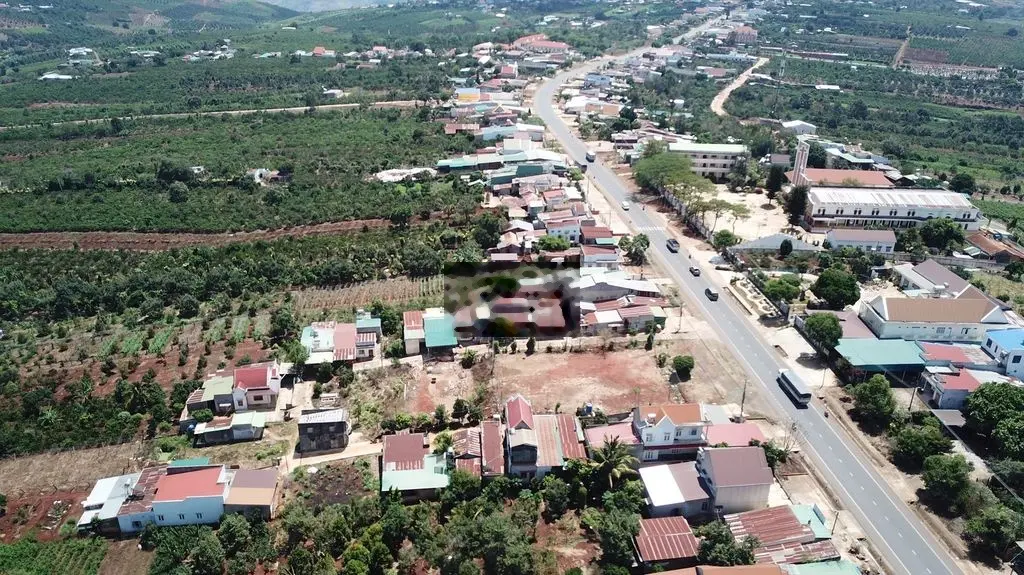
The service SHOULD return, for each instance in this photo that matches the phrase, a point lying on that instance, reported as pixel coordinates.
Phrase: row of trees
(918, 444)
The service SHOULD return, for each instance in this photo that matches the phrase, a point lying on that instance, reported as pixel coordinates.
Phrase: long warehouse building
(894, 209)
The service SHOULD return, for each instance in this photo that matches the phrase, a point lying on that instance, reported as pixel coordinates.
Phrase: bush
(202, 415)
(683, 365)
(468, 359)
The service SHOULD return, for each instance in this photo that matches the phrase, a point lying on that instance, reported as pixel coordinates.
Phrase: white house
(964, 319)
(598, 256)
(568, 229)
(710, 160)
(799, 127)
(887, 208)
(670, 430)
(738, 478)
(675, 489)
(883, 241)
(1006, 346)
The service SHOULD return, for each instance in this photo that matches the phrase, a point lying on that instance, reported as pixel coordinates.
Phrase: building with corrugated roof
(408, 466)
(538, 443)
(665, 542)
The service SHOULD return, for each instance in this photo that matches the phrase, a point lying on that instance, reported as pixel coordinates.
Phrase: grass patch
(216, 331)
(159, 341)
(241, 328)
(110, 346)
(261, 327)
(132, 344)
(999, 286)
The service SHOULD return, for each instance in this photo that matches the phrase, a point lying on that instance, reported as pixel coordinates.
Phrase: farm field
(999, 210)
(394, 291)
(67, 557)
(990, 51)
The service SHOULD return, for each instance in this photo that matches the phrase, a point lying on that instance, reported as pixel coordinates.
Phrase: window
(988, 342)
(181, 516)
(874, 212)
(199, 515)
(965, 330)
(137, 524)
(257, 398)
(241, 403)
(1016, 359)
(679, 433)
(648, 438)
(668, 437)
(693, 432)
(159, 517)
(839, 212)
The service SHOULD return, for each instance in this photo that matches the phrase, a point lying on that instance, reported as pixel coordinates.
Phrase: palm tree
(614, 460)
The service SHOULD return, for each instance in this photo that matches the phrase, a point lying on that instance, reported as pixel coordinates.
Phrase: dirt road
(718, 104)
(291, 110)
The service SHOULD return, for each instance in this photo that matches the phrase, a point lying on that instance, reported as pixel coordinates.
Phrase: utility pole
(834, 523)
(743, 398)
(913, 392)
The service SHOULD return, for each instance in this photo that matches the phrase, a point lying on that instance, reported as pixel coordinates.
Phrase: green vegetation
(837, 287)
(330, 157)
(70, 556)
(889, 117)
(824, 328)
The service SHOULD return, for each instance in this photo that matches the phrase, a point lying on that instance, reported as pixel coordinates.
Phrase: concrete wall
(196, 511)
(743, 498)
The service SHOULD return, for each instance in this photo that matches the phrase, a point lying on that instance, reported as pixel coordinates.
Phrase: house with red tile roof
(257, 385)
(168, 496)
(666, 542)
(539, 443)
(670, 430)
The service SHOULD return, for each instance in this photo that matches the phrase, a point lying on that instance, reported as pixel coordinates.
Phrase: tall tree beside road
(873, 402)
(796, 204)
(946, 479)
(824, 328)
(662, 171)
(636, 248)
(837, 287)
(990, 404)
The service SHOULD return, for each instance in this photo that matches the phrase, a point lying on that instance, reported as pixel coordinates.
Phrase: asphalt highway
(896, 533)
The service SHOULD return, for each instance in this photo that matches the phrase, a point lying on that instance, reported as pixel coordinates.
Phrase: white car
(625, 205)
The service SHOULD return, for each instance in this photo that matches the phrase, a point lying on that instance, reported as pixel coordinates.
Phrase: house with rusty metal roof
(738, 478)
(788, 534)
(665, 542)
(539, 443)
(734, 570)
(252, 491)
(480, 450)
(408, 466)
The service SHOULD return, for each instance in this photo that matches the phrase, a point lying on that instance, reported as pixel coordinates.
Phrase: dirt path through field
(718, 104)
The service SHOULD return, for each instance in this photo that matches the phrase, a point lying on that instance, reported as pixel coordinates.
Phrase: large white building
(710, 160)
(964, 319)
(896, 208)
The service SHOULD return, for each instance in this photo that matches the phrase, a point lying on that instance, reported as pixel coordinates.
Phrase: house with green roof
(408, 467)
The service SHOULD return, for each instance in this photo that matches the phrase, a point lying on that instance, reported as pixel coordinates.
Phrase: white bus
(794, 387)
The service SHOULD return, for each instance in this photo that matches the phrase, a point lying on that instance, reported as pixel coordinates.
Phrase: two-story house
(737, 478)
(1006, 346)
(259, 385)
(670, 430)
(538, 443)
